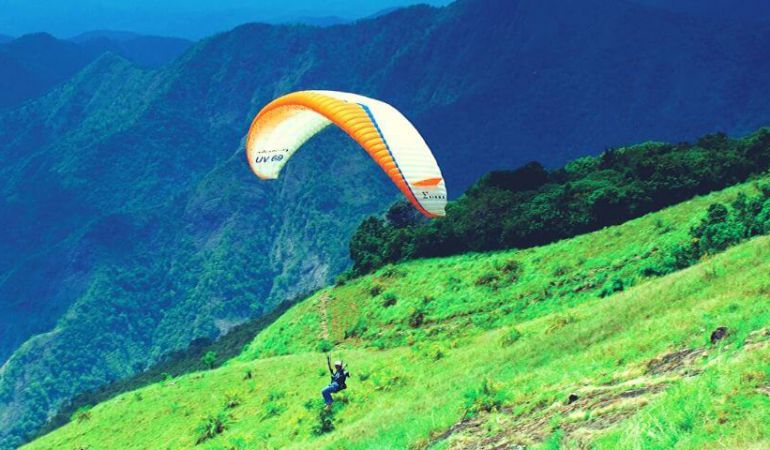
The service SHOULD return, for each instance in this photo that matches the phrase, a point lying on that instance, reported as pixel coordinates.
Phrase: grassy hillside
(567, 344)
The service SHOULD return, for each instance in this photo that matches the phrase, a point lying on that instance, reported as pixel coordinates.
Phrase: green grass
(501, 340)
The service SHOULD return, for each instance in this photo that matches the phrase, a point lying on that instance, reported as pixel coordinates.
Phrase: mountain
(112, 35)
(748, 10)
(35, 63)
(322, 21)
(194, 19)
(571, 345)
(132, 225)
(145, 51)
(4, 38)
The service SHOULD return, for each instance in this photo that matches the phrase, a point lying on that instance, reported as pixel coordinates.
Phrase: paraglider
(286, 123)
(339, 376)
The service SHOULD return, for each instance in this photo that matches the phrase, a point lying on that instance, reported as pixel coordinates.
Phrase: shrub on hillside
(512, 269)
(612, 286)
(83, 414)
(325, 419)
(325, 422)
(357, 330)
(375, 290)
(510, 337)
(211, 426)
(343, 278)
(208, 359)
(272, 409)
(488, 279)
(416, 318)
(722, 227)
(389, 300)
(387, 379)
(232, 400)
(436, 352)
(324, 346)
(486, 398)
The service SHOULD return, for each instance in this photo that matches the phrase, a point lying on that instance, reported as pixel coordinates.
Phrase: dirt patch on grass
(757, 338)
(679, 361)
(583, 413)
(586, 411)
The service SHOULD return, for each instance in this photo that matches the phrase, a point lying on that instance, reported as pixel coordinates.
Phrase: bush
(389, 300)
(488, 397)
(437, 352)
(272, 409)
(560, 271)
(386, 379)
(487, 279)
(208, 359)
(276, 394)
(391, 272)
(721, 228)
(232, 400)
(211, 426)
(512, 269)
(343, 278)
(510, 337)
(237, 443)
(416, 318)
(560, 321)
(611, 287)
(324, 346)
(357, 330)
(717, 231)
(83, 414)
(325, 423)
(375, 290)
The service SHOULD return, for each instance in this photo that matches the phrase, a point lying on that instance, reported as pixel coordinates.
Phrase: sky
(183, 18)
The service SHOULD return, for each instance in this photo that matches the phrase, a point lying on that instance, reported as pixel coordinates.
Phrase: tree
(209, 358)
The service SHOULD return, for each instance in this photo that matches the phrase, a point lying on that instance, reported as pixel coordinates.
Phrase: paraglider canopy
(287, 122)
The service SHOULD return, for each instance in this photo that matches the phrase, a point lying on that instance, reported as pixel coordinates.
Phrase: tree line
(533, 206)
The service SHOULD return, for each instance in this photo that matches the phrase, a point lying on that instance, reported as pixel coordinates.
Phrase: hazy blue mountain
(382, 13)
(112, 35)
(193, 19)
(320, 21)
(132, 224)
(33, 64)
(744, 10)
(5, 38)
(145, 51)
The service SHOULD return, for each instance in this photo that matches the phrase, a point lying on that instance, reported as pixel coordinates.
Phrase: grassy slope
(618, 354)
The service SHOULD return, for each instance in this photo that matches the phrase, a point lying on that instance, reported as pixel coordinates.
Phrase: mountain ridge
(35, 63)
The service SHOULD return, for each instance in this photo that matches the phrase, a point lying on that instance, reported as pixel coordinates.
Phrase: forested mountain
(145, 51)
(745, 10)
(132, 224)
(35, 63)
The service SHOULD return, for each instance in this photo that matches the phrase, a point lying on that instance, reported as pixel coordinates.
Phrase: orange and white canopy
(287, 122)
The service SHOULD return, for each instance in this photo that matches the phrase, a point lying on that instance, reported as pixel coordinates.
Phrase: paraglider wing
(286, 123)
